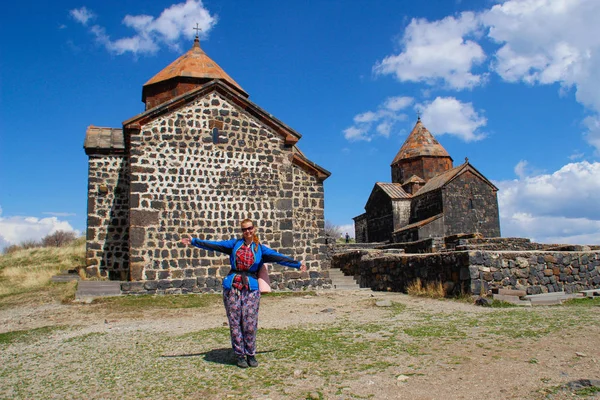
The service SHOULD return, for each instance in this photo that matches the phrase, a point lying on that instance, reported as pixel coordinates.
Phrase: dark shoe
(252, 361)
(241, 362)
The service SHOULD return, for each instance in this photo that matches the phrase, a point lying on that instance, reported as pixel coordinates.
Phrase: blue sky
(512, 85)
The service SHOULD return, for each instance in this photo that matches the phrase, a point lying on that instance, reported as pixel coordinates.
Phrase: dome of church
(420, 143)
(192, 68)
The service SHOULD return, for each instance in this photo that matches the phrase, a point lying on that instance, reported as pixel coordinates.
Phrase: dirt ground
(415, 349)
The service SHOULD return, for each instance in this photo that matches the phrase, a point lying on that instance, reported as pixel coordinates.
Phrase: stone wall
(470, 205)
(360, 228)
(380, 217)
(429, 245)
(535, 271)
(474, 272)
(401, 210)
(394, 272)
(188, 179)
(426, 205)
(107, 236)
(423, 167)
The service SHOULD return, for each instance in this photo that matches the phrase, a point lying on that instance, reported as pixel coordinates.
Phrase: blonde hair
(255, 239)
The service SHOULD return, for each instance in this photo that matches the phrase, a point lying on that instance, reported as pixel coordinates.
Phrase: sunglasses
(247, 229)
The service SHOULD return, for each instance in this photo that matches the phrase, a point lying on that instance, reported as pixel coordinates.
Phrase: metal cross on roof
(197, 29)
(418, 115)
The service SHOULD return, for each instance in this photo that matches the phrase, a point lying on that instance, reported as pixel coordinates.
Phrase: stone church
(428, 197)
(197, 161)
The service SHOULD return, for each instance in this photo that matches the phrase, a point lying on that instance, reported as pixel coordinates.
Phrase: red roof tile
(196, 64)
(420, 143)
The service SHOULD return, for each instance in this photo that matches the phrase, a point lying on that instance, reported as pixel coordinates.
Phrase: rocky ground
(324, 345)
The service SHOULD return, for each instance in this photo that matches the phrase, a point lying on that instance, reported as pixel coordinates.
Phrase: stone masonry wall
(534, 271)
(308, 242)
(107, 247)
(380, 217)
(183, 183)
(394, 272)
(475, 272)
(426, 205)
(471, 205)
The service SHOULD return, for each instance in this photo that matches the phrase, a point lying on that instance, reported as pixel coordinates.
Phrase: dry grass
(434, 290)
(31, 269)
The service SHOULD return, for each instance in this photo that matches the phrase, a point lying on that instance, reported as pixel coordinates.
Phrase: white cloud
(553, 208)
(382, 120)
(348, 228)
(59, 214)
(82, 15)
(438, 50)
(397, 103)
(16, 229)
(592, 135)
(355, 134)
(547, 42)
(447, 115)
(172, 24)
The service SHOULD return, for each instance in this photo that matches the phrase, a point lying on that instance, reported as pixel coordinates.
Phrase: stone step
(65, 277)
(512, 299)
(511, 292)
(591, 292)
(92, 289)
(339, 281)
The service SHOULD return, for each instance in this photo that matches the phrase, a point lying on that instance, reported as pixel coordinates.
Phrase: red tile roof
(196, 64)
(420, 143)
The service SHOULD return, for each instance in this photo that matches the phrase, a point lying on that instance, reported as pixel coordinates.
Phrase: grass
(309, 361)
(28, 336)
(587, 391)
(159, 301)
(28, 272)
(306, 360)
(434, 290)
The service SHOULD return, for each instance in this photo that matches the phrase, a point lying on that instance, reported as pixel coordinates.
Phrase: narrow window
(471, 204)
(216, 128)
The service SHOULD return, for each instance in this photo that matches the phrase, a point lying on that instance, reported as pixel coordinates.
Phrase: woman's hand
(186, 240)
(303, 267)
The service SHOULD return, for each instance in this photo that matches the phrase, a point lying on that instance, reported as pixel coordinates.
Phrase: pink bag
(264, 283)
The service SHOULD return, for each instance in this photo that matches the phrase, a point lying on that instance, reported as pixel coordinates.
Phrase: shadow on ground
(219, 356)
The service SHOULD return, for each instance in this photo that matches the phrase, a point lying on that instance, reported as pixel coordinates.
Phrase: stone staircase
(339, 281)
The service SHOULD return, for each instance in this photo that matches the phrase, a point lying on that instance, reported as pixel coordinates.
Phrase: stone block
(189, 283)
(287, 239)
(291, 275)
(138, 187)
(151, 285)
(150, 275)
(286, 225)
(164, 284)
(284, 204)
(143, 218)
(136, 271)
(137, 236)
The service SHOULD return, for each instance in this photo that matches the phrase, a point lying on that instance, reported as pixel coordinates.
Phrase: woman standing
(240, 287)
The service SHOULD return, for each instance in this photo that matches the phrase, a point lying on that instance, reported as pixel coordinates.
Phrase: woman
(240, 287)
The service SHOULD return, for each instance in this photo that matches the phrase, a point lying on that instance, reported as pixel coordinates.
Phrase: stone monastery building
(428, 197)
(197, 161)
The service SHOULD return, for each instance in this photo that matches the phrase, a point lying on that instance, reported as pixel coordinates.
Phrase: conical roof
(420, 143)
(194, 64)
